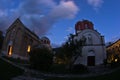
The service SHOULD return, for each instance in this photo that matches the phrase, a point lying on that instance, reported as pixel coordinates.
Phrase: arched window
(91, 53)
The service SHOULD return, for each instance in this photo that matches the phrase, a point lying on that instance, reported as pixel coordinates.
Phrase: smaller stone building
(19, 40)
(45, 42)
(113, 52)
(93, 51)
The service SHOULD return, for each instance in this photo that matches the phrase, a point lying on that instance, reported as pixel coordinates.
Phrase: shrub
(41, 58)
(115, 64)
(79, 68)
(59, 68)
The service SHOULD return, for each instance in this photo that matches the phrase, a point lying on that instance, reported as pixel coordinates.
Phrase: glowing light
(10, 51)
(112, 57)
(116, 60)
(29, 48)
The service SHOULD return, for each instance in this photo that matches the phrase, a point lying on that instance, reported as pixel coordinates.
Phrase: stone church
(19, 40)
(94, 50)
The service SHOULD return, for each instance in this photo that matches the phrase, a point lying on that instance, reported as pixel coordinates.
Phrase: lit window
(112, 57)
(116, 60)
(29, 48)
(10, 51)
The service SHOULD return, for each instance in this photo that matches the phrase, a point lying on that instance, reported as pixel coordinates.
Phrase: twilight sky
(56, 18)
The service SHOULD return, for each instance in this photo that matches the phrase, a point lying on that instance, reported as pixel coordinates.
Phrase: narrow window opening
(9, 50)
(29, 48)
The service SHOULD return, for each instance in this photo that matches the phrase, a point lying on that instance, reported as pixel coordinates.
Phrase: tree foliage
(71, 48)
(1, 39)
(41, 58)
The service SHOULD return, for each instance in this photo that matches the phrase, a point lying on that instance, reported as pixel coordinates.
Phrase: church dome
(45, 40)
(85, 24)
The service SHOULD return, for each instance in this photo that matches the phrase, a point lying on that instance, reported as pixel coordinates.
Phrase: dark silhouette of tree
(1, 39)
(60, 56)
(73, 48)
(41, 58)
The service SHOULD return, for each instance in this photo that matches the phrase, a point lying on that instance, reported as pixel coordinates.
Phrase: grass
(7, 71)
(58, 69)
(112, 76)
(17, 60)
(62, 69)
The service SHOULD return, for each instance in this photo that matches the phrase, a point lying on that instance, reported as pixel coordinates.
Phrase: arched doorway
(91, 58)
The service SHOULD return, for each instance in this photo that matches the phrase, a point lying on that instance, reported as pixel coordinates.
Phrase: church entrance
(91, 60)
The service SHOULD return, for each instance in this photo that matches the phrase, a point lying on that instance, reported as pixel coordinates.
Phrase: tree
(41, 58)
(73, 48)
(1, 39)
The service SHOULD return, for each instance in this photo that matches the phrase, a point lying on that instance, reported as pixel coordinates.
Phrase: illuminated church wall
(93, 51)
(113, 52)
(19, 40)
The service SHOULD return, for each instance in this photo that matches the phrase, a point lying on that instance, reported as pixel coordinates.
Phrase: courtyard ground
(8, 71)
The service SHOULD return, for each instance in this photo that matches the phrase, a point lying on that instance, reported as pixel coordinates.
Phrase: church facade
(19, 40)
(94, 50)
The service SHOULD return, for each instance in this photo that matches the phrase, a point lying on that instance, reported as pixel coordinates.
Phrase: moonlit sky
(56, 18)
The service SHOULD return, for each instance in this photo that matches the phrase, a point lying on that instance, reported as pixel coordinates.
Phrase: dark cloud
(38, 15)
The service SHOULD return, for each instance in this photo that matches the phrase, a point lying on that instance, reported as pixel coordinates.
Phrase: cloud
(38, 15)
(2, 13)
(66, 38)
(3, 23)
(35, 6)
(70, 29)
(48, 3)
(95, 3)
(65, 9)
(4, 20)
(7, 14)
